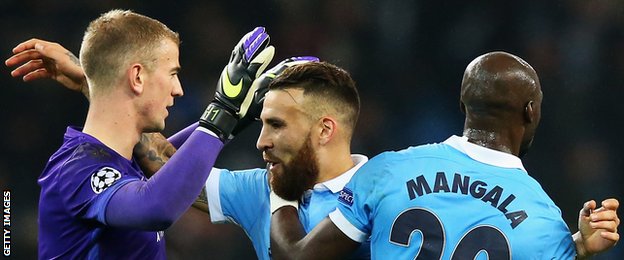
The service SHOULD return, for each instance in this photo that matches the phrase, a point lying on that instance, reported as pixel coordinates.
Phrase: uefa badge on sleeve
(104, 178)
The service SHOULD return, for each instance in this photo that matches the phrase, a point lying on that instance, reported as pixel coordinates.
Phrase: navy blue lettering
(441, 183)
(477, 191)
(461, 183)
(417, 186)
(493, 196)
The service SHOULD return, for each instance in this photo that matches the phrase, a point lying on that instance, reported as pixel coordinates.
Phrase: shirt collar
(336, 184)
(484, 155)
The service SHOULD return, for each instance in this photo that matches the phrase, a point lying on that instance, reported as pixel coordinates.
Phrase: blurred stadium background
(406, 56)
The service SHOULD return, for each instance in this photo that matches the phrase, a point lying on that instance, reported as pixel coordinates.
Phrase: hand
(597, 228)
(152, 152)
(233, 96)
(42, 59)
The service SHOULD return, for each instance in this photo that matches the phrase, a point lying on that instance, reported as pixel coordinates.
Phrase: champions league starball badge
(104, 178)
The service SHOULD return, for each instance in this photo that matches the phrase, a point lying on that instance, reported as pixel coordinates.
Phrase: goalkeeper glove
(260, 87)
(249, 59)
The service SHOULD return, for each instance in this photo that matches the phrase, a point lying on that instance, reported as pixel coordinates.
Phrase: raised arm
(39, 59)
(597, 228)
(156, 203)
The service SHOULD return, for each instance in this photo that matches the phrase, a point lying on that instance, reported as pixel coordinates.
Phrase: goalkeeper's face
(160, 86)
(287, 143)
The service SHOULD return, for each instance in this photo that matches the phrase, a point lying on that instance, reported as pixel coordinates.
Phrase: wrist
(219, 120)
(581, 253)
(277, 202)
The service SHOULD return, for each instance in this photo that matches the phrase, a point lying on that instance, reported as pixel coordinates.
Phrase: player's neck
(334, 162)
(114, 124)
(495, 140)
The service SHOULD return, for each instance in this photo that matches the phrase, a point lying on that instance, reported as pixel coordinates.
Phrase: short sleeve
(237, 196)
(356, 205)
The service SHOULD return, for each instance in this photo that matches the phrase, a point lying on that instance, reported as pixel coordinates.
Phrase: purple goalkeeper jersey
(76, 185)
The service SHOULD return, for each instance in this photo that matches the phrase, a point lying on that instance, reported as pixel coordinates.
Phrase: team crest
(104, 178)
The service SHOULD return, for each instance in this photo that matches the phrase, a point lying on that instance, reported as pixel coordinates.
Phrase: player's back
(456, 200)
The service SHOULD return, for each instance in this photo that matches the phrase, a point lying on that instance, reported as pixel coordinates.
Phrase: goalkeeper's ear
(261, 61)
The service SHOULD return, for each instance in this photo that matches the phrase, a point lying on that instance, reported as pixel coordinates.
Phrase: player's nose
(264, 142)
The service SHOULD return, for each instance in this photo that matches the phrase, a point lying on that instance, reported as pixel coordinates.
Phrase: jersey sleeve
(353, 215)
(237, 196)
(88, 180)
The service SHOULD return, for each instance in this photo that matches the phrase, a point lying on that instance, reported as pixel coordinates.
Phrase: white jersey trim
(346, 227)
(484, 155)
(205, 130)
(337, 184)
(214, 200)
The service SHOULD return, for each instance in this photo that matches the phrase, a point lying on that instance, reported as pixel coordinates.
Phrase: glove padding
(260, 87)
(249, 59)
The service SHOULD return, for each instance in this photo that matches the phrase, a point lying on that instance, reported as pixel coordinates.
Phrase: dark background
(406, 56)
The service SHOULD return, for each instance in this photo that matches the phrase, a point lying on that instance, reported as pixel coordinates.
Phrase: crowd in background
(407, 57)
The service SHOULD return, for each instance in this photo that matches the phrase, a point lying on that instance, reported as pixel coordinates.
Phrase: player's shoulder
(425, 150)
(89, 157)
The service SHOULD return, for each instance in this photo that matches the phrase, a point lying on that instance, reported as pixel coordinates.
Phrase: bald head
(498, 82)
(501, 96)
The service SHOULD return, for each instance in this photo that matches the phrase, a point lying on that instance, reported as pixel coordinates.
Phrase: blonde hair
(116, 39)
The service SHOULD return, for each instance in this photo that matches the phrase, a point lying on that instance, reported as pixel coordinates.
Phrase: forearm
(180, 137)
(157, 203)
(201, 203)
(286, 233)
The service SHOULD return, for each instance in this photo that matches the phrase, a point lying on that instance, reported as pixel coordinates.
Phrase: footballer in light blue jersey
(453, 200)
(242, 197)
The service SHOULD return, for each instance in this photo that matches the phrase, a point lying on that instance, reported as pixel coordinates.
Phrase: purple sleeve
(157, 203)
(180, 137)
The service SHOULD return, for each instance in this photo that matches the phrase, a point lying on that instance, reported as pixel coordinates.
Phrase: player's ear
(136, 78)
(328, 127)
(529, 113)
(462, 107)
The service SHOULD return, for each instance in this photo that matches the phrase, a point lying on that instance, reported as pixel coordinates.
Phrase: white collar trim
(484, 155)
(336, 184)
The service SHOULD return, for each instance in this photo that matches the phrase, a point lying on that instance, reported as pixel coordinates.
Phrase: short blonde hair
(116, 39)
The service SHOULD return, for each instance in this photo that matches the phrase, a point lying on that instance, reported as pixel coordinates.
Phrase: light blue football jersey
(453, 200)
(242, 198)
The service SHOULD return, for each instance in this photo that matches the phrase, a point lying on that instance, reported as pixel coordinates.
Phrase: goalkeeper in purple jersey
(95, 201)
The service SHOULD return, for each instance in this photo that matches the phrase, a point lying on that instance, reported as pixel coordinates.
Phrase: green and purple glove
(234, 94)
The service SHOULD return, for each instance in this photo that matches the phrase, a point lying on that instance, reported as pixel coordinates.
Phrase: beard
(298, 176)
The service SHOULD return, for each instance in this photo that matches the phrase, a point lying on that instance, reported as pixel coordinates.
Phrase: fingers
(263, 59)
(35, 49)
(37, 74)
(615, 237)
(611, 204)
(587, 208)
(28, 67)
(23, 57)
(604, 217)
(35, 43)
(255, 40)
